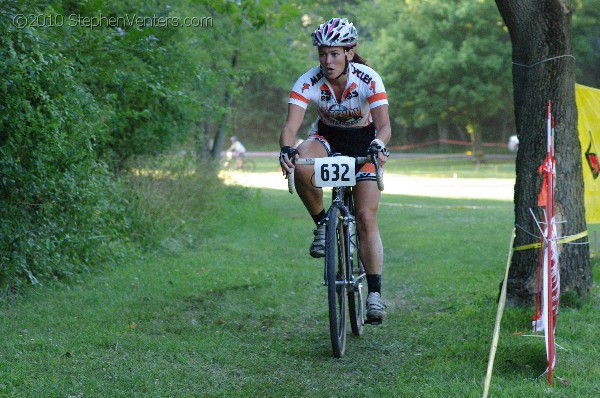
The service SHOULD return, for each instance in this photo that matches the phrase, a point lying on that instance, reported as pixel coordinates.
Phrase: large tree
(544, 69)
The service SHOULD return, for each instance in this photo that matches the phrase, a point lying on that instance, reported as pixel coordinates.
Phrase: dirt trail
(469, 188)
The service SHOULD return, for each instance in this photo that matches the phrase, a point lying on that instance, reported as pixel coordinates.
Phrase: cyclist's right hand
(287, 157)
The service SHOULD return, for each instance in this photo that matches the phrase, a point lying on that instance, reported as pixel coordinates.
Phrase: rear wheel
(335, 266)
(356, 300)
(249, 165)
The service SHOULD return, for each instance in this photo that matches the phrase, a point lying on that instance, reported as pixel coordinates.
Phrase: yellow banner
(588, 108)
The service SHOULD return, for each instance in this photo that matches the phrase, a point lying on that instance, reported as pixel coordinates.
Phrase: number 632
(335, 172)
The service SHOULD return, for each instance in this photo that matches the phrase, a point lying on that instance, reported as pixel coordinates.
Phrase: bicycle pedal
(374, 322)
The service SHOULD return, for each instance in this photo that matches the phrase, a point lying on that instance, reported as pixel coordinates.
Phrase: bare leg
(366, 199)
(311, 197)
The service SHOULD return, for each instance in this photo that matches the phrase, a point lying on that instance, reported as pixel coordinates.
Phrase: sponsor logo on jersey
(351, 94)
(315, 79)
(305, 86)
(361, 75)
(326, 95)
(342, 116)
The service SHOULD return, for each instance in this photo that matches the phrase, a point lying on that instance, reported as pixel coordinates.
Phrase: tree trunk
(544, 69)
(443, 135)
(224, 126)
(203, 142)
(460, 130)
(476, 143)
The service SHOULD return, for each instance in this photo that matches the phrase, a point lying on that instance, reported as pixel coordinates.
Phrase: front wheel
(335, 267)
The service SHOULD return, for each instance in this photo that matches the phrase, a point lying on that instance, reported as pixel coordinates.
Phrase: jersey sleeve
(376, 95)
(300, 92)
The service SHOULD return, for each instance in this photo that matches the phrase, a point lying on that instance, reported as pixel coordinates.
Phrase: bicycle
(344, 273)
(238, 163)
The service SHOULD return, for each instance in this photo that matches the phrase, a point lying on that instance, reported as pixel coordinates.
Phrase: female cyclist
(353, 116)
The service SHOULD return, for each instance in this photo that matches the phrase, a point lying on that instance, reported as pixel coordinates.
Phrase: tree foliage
(56, 197)
(443, 62)
(446, 65)
(254, 67)
(586, 41)
(134, 72)
(88, 85)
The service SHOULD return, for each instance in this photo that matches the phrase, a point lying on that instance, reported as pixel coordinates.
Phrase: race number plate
(335, 171)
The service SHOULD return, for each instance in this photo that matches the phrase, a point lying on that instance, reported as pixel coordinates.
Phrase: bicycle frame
(341, 197)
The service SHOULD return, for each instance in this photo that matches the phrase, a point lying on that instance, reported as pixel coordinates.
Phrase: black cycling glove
(378, 146)
(290, 152)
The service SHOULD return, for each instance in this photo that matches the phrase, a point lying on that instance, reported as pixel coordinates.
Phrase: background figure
(513, 143)
(237, 151)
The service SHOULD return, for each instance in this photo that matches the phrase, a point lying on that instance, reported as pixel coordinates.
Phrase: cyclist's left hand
(382, 153)
(382, 159)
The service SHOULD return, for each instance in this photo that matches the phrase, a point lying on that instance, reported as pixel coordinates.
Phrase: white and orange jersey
(364, 91)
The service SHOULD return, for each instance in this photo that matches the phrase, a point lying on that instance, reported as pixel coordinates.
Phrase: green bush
(55, 196)
(80, 104)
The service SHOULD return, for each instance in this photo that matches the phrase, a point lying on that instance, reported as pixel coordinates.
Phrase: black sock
(319, 217)
(374, 283)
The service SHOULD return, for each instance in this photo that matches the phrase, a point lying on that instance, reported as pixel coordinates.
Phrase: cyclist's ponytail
(358, 59)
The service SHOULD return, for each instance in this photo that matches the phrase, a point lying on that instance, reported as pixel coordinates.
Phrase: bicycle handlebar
(359, 160)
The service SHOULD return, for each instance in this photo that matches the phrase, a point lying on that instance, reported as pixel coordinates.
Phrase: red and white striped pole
(551, 272)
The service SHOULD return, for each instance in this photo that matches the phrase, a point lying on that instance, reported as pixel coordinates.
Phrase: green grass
(448, 167)
(240, 312)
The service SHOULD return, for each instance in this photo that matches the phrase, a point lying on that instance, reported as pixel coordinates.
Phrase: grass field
(241, 313)
(427, 166)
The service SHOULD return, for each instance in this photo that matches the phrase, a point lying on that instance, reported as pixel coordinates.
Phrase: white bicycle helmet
(335, 32)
